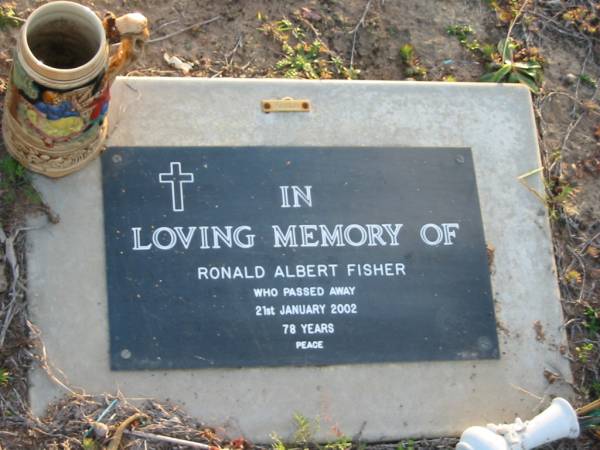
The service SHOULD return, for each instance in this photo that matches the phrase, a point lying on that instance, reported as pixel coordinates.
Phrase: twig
(525, 391)
(229, 56)
(588, 408)
(183, 30)
(171, 440)
(354, 32)
(166, 24)
(570, 129)
(521, 179)
(13, 295)
(512, 24)
(583, 66)
(101, 417)
(238, 44)
(583, 271)
(559, 28)
(589, 242)
(121, 429)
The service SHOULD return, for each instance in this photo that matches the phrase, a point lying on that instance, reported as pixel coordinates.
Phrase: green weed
(342, 443)
(583, 19)
(304, 429)
(8, 18)
(304, 58)
(4, 376)
(277, 442)
(562, 193)
(588, 80)
(14, 179)
(406, 445)
(12, 176)
(592, 320)
(465, 36)
(413, 68)
(506, 62)
(594, 389)
(584, 351)
(506, 10)
(557, 194)
(509, 70)
(304, 437)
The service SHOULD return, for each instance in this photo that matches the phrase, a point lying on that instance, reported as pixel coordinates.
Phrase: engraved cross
(176, 178)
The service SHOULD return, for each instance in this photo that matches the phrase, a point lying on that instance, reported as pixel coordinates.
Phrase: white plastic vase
(558, 421)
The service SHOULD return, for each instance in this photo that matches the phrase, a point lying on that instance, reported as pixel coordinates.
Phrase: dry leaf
(590, 105)
(592, 251)
(592, 165)
(572, 276)
(309, 14)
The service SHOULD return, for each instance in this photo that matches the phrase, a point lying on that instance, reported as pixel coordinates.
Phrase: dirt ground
(247, 39)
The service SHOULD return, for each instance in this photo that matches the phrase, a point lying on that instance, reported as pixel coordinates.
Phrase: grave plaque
(237, 257)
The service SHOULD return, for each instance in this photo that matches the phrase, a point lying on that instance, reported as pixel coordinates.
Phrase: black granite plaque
(236, 257)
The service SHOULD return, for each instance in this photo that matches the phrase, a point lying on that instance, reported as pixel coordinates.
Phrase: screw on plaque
(117, 158)
(125, 354)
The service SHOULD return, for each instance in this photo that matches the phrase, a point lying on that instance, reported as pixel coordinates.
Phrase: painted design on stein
(59, 116)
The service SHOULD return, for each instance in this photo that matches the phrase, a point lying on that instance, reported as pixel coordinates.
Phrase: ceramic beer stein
(54, 119)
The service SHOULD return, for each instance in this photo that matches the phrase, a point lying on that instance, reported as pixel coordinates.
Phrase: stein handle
(132, 32)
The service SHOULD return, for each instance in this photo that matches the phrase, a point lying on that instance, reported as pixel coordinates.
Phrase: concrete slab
(67, 286)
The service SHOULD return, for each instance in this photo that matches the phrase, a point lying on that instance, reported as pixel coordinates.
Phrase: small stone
(100, 430)
(570, 79)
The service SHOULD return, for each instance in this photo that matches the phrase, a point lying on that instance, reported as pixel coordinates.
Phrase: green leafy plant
(304, 436)
(413, 69)
(304, 429)
(561, 192)
(406, 445)
(4, 376)
(277, 442)
(8, 18)
(14, 179)
(12, 176)
(595, 389)
(507, 70)
(584, 352)
(583, 19)
(588, 80)
(506, 10)
(303, 58)
(342, 443)
(591, 421)
(557, 194)
(506, 62)
(592, 320)
(466, 37)
(12, 171)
